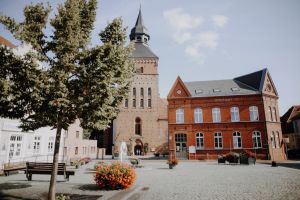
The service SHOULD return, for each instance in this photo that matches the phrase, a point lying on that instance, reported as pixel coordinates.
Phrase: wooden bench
(8, 167)
(46, 168)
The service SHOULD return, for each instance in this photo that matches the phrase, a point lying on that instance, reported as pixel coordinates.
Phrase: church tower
(142, 122)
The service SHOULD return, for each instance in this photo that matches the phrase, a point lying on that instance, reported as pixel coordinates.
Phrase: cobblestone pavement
(188, 180)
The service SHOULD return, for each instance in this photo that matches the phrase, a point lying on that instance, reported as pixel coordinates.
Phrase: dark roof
(142, 50)
(254, 80)
(218, 88)
(139, 28)
(243, 85)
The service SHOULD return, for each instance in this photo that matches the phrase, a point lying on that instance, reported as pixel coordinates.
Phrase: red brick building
(211, 118)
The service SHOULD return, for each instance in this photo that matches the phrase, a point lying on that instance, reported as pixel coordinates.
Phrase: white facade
(17, 146)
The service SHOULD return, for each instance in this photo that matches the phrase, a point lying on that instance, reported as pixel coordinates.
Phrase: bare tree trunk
(52, 186)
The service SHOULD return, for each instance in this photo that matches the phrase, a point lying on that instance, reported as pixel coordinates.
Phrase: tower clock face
(178, 91)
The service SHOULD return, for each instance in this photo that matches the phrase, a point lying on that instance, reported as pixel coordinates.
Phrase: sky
(207, 40)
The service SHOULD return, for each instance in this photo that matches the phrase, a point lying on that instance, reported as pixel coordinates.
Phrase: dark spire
(139, 32)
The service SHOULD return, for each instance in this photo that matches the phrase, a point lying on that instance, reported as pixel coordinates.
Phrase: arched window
(274, 114)
(149, 92)
(138, 126)
(277, 139)
(142, 70)
(235, 114)
(216, 115)
(142, 91)
(199, 141)
(134, 91)
(270, 114)
(256, 139)
(273, 140)
(253, 113)
(179, 116)
(237, 140)
(198, 115)
(218, 140)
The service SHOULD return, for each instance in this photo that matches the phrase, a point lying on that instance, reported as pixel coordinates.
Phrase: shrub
(114, 176)
(98, 164)
(232, 157)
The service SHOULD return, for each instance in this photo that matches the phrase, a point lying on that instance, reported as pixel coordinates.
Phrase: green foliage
(62, 78)
(74, 81)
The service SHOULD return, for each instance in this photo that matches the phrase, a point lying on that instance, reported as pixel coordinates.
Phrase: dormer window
(216, 90)
(198, 91)
(138, 38)
(234, 89)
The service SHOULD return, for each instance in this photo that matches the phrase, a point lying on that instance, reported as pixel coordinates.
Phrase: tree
(62, 78)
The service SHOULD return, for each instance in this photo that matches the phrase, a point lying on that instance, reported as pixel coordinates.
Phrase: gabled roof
(179, 84)
(290, 114)
(142, 50)
(7, 43)
(219, 88)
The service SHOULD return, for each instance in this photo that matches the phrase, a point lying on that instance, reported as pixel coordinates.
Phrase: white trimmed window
(37, 144)
(237, 140)
(256, 139)
(235, 114)
(216, 113)
(199, 141)
(51, 144)
(179, 116)
(253, 113)
(218, 140)
(198, 115)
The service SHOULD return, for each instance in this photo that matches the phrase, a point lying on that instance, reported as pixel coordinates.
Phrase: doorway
(181, 149)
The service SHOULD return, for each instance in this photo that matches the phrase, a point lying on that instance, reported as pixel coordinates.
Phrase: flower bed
(115, 176)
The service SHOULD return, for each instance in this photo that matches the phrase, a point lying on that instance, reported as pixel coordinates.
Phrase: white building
(17, 146)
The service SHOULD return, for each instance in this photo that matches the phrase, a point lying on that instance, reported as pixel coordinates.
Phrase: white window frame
(219, 138)
(180, 116)
(254, 115)
(15, 146)
(235, 114)
(199, 141)
(37, 144)
(51, 144)
(198, 115)
(216, 113)
(237, 140)
(256, 139)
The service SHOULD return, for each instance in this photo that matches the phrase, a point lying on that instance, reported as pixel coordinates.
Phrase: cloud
(193, 52)
(182, 37)
(186, 31)
(207, 39)
(219, 20)
(181, 20)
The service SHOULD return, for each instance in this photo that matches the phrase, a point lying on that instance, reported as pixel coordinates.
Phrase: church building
(142, 122)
